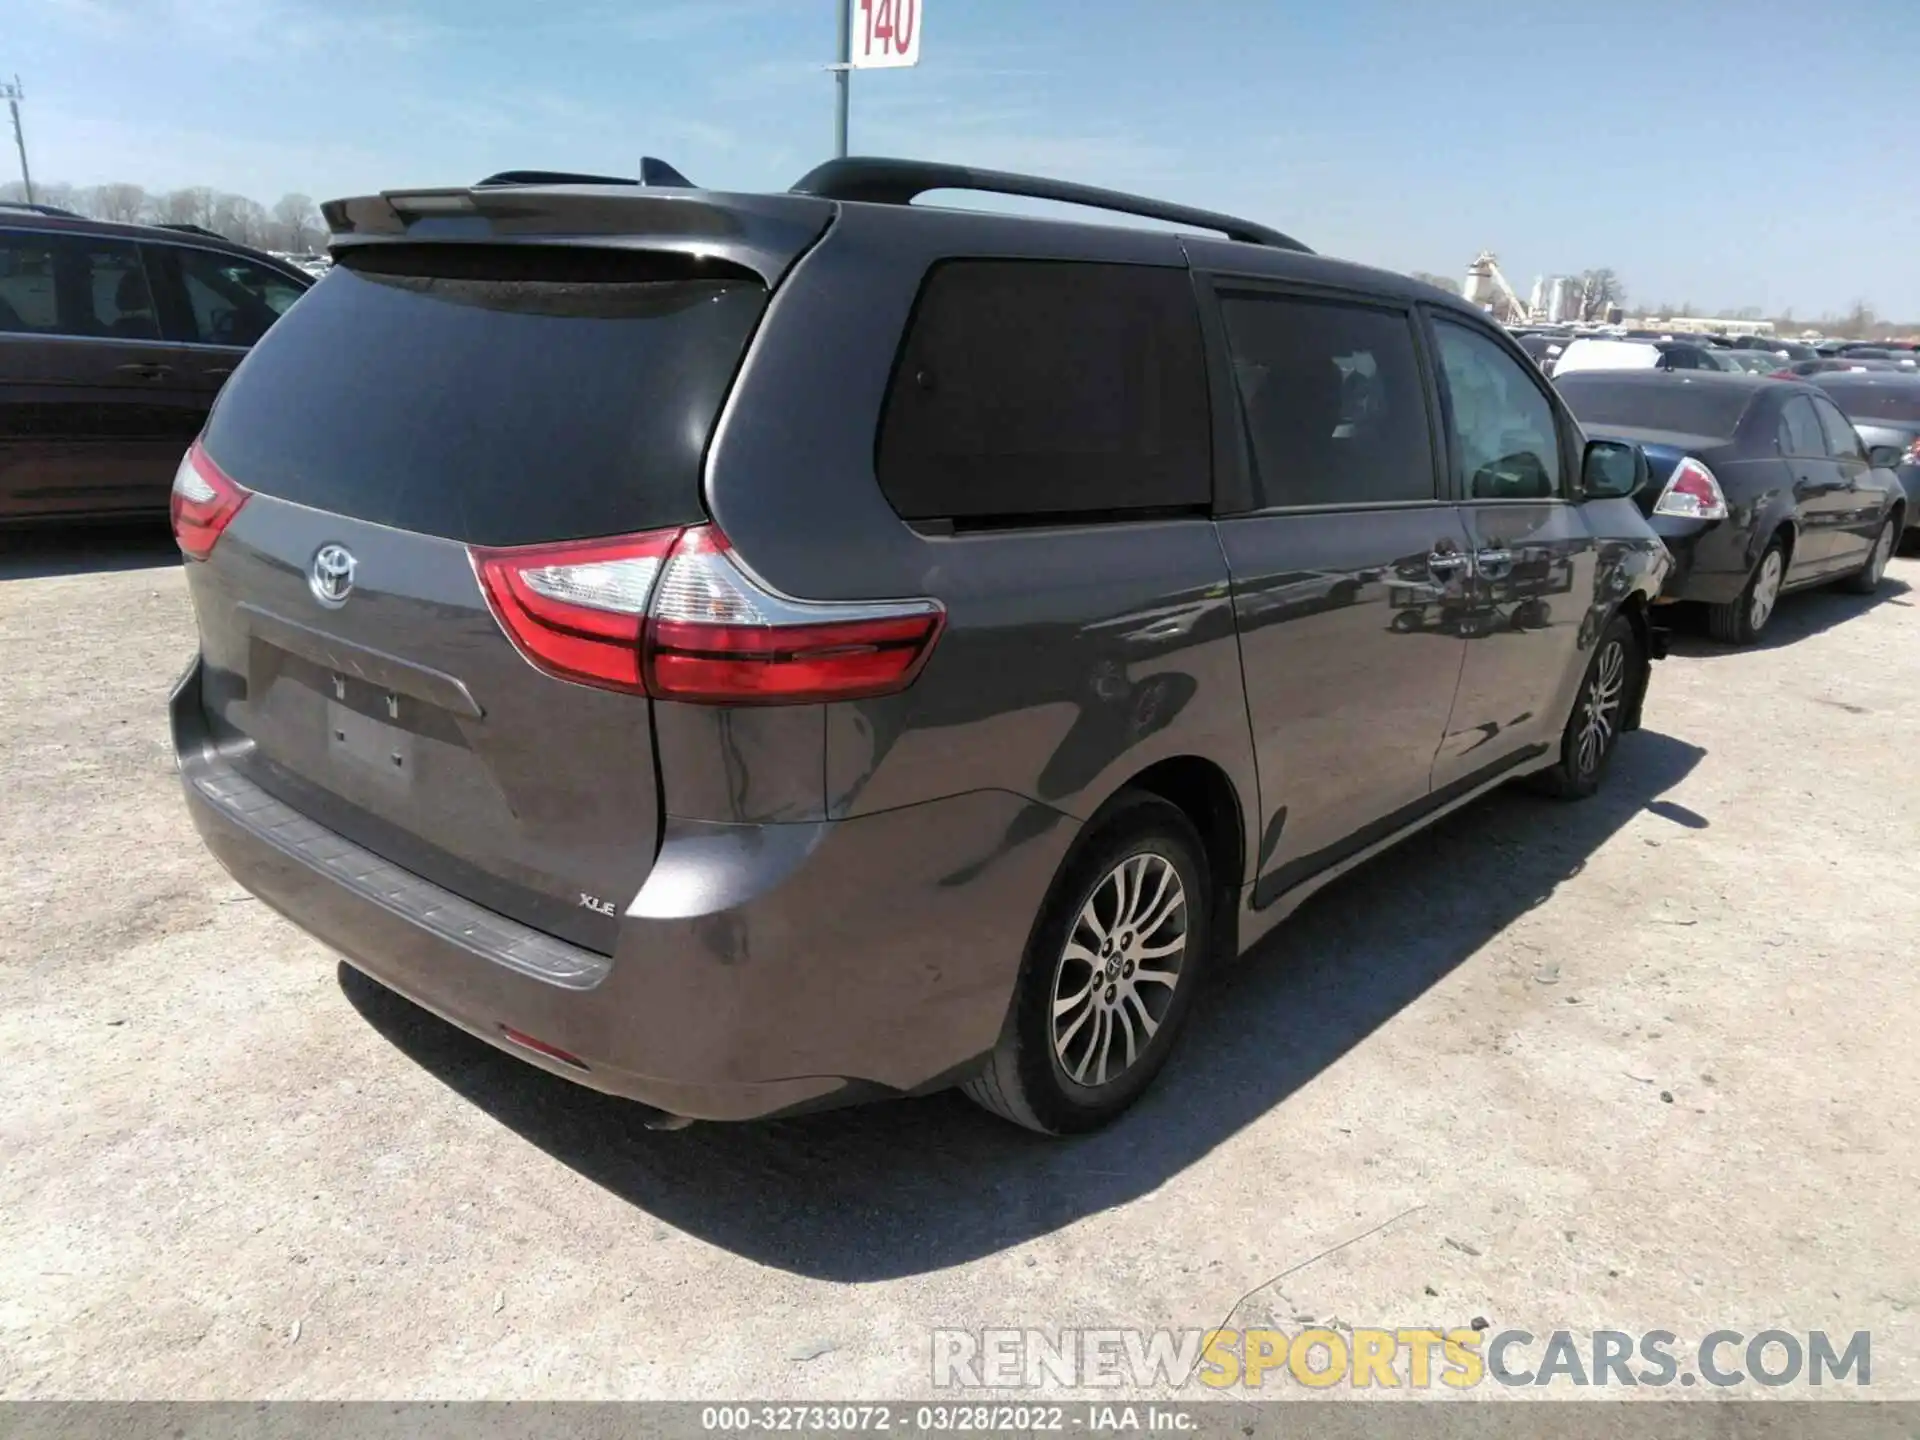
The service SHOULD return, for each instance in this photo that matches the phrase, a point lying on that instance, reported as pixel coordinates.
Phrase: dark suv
(750, 653)
(114, 339)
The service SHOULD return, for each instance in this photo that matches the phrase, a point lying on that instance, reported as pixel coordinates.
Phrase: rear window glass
(1669, 405)
(531, 396)
(1878, 402)
(1032, 389)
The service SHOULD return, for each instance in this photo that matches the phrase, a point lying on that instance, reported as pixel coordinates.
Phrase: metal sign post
(874, 35)
(843, 79)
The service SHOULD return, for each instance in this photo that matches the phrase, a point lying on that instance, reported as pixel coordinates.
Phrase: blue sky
(1727, 152)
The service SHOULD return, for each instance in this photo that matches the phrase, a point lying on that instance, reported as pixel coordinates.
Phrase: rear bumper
(1711, 562)
(761, 970)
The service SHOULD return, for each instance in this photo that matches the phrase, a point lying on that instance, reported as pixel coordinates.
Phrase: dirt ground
(1650, 1062)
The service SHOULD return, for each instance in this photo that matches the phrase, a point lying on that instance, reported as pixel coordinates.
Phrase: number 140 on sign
(885, 33)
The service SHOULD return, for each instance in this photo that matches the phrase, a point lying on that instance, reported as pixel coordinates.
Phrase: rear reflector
(1692, 493)
(205, 499)
(540, 1047)
(675, 614)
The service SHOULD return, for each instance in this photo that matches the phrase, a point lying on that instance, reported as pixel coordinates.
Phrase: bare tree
(299, 223)
(1860, 320)
(1427, 277)
(238, 218)
(1599, 291)
(119, 202)
(192, 206)
(59, 196)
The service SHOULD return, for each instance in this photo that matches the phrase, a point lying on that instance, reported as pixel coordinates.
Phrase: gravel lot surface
(1650, 1062)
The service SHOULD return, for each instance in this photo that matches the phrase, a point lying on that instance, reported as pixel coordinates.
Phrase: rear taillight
(1913, 453)
(205, 500)
(1781, 375)
(674, 614)
(577, 609)
(1692, 493)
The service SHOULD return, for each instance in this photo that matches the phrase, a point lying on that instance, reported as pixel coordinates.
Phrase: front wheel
(1867, 578)
(1109, 974)
(1740, 621)
(1599, 708)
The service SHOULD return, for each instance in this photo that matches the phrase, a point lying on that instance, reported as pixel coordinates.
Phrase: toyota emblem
(331, 578)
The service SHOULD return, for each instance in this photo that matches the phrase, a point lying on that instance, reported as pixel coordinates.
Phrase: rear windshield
(492, 395)
(1877, 402)
(1669, 404)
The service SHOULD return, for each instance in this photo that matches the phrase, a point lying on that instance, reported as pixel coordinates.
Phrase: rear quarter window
(1029, 390)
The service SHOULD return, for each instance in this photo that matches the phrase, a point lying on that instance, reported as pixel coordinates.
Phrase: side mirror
(1886, 457)
(1612, 470)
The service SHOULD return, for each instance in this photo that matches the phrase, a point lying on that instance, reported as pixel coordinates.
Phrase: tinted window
(1680, 357)
(1037, 388)
(1800, 432)
(1502, 423)
(1333, 400)
(1889, 401)
(232, 301)
(73, 285)
(27, 298)
(535, 395)
(1600, 400)
(1841, 439)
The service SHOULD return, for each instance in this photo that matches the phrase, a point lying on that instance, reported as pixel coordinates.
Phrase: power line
(15, 95)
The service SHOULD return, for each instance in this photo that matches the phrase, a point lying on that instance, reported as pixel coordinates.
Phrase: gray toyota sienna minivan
(751, 653)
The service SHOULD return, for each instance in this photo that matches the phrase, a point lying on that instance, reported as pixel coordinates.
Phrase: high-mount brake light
(204, 501)
(674, 614)
(1692, 493)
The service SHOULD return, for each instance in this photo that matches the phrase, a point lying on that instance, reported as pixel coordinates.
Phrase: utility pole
(14, 96)
(842, 80)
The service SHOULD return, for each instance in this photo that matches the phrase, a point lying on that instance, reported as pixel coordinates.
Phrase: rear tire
(1109, 974)
(1740, 621)
(1601, 704)
(1867, 578)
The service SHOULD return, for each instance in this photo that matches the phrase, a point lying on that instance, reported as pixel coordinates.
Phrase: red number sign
(885, 33)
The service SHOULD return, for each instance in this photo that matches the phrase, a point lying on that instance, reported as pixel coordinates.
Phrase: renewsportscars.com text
(1411, 1358)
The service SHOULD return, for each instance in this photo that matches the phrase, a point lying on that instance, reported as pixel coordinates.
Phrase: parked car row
(1781, 474)
(1560, 352)
(1764, 486)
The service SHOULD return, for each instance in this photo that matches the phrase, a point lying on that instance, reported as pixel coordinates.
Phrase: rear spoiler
(761, 234)
(652, 172)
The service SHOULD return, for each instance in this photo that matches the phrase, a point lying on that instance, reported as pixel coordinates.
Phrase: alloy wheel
(1882, 552)
(1116, 976)
(1766, 590)
(1600, 707)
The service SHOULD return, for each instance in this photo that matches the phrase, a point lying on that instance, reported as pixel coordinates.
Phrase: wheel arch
(1636, 611)
(1202, 790)
(1777, 523)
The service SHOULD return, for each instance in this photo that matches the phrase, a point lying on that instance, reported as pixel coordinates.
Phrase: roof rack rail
(652, 172)
(186, 229)
(899, 182)
(37, 209)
